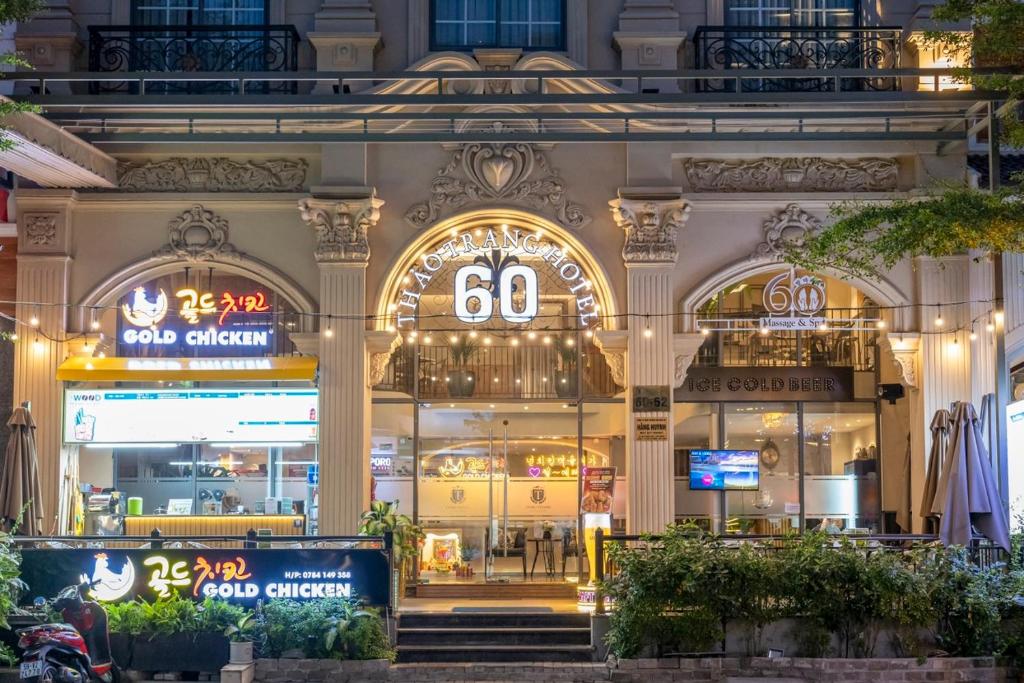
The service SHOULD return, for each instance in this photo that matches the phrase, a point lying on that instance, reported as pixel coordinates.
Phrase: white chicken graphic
(106, 585)
(145, 313)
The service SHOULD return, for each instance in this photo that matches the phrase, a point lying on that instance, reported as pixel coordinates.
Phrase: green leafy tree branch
(11, 11)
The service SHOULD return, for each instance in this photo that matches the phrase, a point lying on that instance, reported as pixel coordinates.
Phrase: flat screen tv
(723, 470)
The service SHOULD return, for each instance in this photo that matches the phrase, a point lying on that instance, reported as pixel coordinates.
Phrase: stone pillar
(346, 38)
(341, 217)
(651, 219)
(649, 38)
(44, 263)
(50, 41)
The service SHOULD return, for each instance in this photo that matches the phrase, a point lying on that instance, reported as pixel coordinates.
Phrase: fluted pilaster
(44, 238)
(651, 219)
(341, 223)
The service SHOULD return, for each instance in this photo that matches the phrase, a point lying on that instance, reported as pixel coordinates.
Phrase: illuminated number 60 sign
(509, 278)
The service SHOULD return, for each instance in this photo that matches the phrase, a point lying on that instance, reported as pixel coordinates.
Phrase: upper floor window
(526, 24)
(796, 13)
(199, 12)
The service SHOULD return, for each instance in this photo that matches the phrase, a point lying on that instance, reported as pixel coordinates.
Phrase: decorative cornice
(651, 223)
(789, 227)
(341, 227)
(182, 242)
(684, 349)
(517, 173)
(380, 345)
(803, 174)
(218, 174)
(613, 345)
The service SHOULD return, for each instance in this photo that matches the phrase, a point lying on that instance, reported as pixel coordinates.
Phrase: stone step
(493, 620)
(511, 654)
(494, 636)
(540, 672)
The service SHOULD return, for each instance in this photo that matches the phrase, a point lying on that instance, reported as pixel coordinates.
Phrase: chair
(518, 548)
(570, 546)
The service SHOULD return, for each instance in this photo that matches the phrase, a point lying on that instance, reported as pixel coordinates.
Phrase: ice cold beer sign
(502, 279)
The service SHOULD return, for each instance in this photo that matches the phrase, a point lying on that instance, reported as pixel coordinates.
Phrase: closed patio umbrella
(967, 490)
(940, 430)
(19, 476)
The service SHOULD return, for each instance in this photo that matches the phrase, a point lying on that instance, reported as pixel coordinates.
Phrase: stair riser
(450, 640)
(465, 620)
(491, 657)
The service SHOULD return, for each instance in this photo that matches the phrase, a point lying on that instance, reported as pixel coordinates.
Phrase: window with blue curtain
(526, 24)
(199, 12)
(792, 13)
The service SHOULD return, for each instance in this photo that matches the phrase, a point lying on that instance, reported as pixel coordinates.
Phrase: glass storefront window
(772, 430)
(157, 475)
(696, 427)
(392, 460)
(841, 467)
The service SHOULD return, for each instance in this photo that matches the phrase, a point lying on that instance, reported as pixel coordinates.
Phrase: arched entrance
(497, 399)
(787, 374)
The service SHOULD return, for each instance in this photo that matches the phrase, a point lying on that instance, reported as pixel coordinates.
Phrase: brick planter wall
(297, 670)
(934, 670)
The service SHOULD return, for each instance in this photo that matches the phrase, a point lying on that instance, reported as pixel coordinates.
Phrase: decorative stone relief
(789, 227)
(613, 345)
(651, 225)
(684, 348)
(380, 346)
(41, 229)
(904, 346)
(341, 226)
(806, 174)
(517, 172)
(198, 235)
(219, 174)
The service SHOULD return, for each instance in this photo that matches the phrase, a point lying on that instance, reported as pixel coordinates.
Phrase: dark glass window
(203, 12)
(796, 13)
(527, 24)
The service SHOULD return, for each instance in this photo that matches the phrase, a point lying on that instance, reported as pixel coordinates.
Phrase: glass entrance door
(498, 491)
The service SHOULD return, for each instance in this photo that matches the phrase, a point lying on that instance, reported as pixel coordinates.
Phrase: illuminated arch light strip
(470, 233)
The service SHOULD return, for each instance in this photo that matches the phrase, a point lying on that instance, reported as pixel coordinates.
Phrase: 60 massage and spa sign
(498, 273)
(237, 575)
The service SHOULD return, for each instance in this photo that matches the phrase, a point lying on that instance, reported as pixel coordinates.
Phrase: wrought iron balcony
(199, 48)
(753, 47)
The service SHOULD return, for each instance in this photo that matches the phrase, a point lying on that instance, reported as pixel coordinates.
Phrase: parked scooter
(76, 651)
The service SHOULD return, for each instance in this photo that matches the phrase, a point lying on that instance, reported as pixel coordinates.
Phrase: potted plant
(240, 635)
(460, 379)
(383, 517)
(567, 376)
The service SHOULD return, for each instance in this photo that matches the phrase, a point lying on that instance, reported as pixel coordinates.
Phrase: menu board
(171, 416)
(598, 489)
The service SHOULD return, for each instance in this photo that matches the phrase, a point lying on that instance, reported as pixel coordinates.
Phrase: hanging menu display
(190, 416)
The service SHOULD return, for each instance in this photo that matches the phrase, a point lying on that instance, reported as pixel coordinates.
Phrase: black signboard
(767, 384)
(237, 575)
(652, 399)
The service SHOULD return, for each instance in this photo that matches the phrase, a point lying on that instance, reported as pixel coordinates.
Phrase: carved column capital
(341, 226)
(684, 350)
(613, 345)
(904, 347)
(380, 345)
(651, 220)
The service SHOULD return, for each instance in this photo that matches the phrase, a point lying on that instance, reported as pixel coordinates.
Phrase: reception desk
(214, 525)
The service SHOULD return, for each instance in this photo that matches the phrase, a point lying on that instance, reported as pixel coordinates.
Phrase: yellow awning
(279, 368)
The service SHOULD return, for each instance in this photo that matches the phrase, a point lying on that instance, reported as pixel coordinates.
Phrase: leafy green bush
(335, 628)
(681, 594)
(11, 586)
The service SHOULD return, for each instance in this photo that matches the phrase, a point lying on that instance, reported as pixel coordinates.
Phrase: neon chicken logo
(106, 584)
(142, 312)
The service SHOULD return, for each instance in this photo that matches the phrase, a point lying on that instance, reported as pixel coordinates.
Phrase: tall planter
(461, 383)
(201, 652)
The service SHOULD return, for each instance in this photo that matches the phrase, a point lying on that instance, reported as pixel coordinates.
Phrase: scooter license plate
(32, 669)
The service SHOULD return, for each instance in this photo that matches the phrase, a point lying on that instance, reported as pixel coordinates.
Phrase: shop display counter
(214, 525)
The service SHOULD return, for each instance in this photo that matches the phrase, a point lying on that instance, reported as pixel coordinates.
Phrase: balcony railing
(199, 48)
(851, 346)
(753, 47)
(500, 371)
